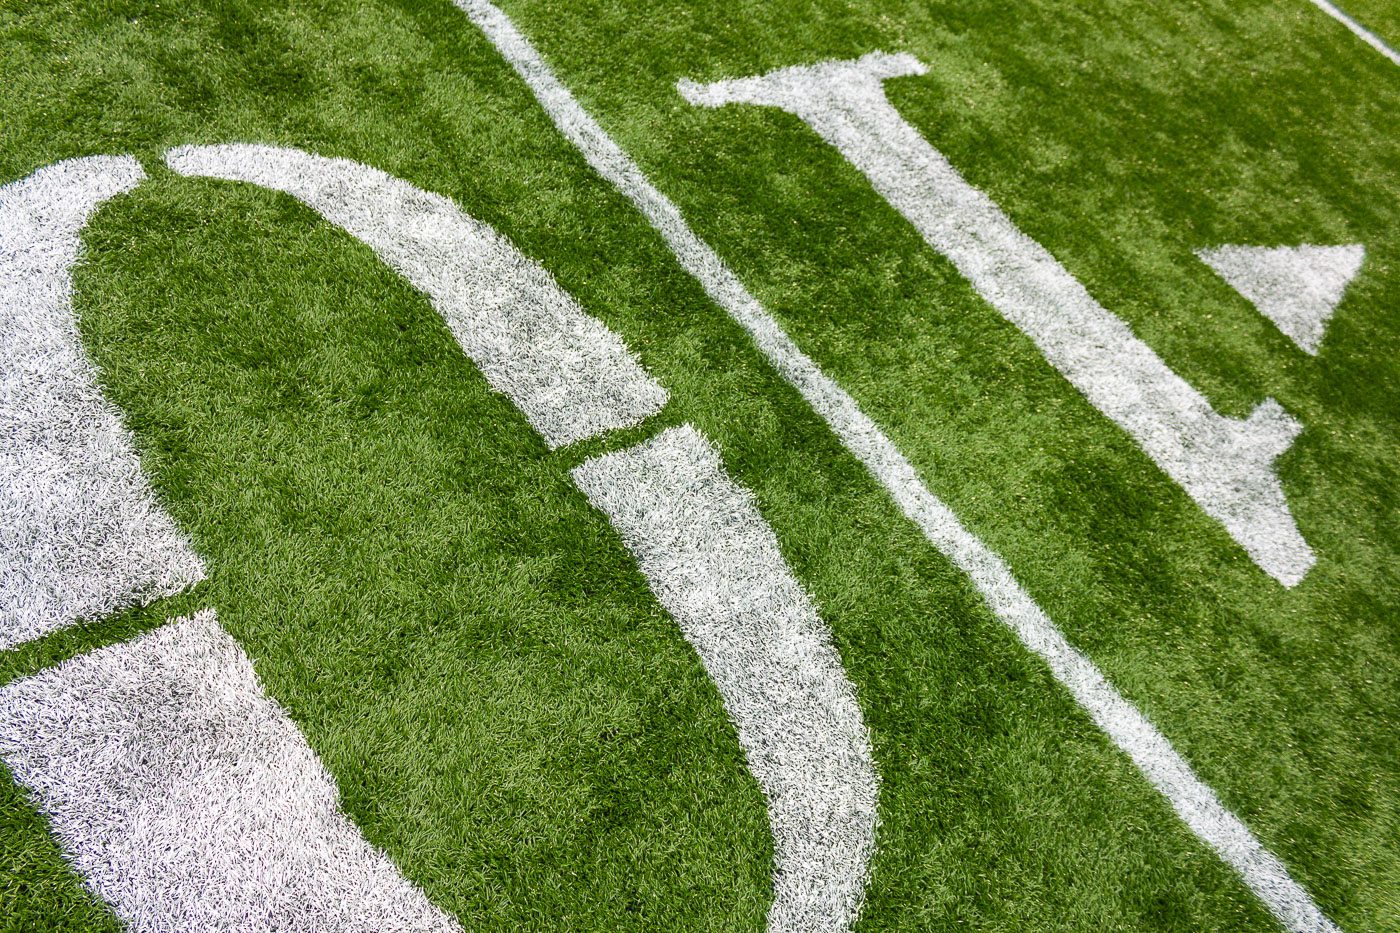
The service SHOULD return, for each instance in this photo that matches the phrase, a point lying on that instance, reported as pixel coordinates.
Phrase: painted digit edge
(570, 375)
(715, 564)
(81, 531)
(189, 800)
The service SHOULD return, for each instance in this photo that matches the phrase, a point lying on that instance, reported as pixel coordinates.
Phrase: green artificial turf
(468, 646)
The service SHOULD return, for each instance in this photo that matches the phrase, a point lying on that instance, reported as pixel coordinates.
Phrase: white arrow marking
(81, 532)
(571, 376)
(714, 563)
(1224, 464)
(190, 801)
(1296, 287)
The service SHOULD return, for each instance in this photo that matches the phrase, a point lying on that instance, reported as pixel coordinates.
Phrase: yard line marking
(190, 801)
(1124, 724)
(714, 563)
(1224, 464)
(81, 531)
(1296, 287)
(1362, 33)
(570, 376)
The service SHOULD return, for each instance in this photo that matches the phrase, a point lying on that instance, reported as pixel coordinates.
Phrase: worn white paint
(1360, 31)
(1296, 287)
(1125, 725)
(1226, 465)
(81, 532)
(571, 376)
(190, 801)
(714, 563)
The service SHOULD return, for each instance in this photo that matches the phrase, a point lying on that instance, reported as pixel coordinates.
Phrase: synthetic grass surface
(468, 646)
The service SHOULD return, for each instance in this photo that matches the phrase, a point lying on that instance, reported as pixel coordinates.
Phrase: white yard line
(81, 532)
(714, 563)
(1362, 33)
(1226, 465)
(571, 376)
(190, 801)
(1159, 762)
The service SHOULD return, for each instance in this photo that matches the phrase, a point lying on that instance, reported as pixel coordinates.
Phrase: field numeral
(134, 756)
(1226, 465)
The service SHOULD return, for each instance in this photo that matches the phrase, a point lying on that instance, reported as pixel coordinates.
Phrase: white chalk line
(714, 563)
(81, 531)
(570, 376)
(1360, 31)
(190, 801)
(1226, 465)
(1125, 725)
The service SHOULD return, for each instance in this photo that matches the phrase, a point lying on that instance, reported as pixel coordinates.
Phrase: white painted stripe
(1296, 287)
(81, 532)
(190, 801)
(714, 563)
(1362, 33)
(1226, 465)
(571, 376)
(1159, 762)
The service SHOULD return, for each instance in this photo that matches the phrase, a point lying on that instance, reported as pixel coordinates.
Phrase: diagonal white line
(1129, 729)
(1362, 33)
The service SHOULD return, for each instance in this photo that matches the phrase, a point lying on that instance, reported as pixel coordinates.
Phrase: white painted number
(1226, 465)
(120, 746)
(81, 533)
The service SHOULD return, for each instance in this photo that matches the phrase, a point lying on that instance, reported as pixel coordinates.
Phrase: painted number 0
(84, 534)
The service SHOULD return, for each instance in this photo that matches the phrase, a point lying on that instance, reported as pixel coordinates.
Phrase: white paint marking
(190, 801)
(571, 376)
(1296, 287)
(1159, 762)
(81, 532)
(1361, 32)
(714, 563)
(1224, 464)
